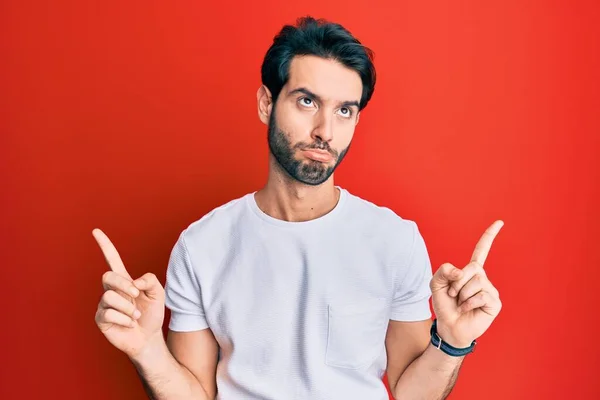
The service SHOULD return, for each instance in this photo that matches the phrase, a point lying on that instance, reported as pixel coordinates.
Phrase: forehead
(329, 79)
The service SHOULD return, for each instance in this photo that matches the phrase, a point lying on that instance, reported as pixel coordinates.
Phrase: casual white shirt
(299, 309)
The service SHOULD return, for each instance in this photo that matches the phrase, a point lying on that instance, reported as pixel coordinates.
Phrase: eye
(346, 112)
(306, 101)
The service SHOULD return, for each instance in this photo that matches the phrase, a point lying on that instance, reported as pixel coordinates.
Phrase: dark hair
(319, 38)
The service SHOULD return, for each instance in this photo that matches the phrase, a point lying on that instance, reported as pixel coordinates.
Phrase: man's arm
(185, 366)
(465, 303)
(416, 369)
(182, 368)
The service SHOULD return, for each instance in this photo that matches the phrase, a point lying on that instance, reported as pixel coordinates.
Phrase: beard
(309, 172)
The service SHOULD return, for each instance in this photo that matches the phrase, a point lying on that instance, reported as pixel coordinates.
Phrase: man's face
(312, 123)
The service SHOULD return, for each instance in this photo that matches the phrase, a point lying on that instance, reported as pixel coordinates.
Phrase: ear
(357, 118)
(265, 104)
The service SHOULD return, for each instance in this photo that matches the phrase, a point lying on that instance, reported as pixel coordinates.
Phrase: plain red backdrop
(140, 117)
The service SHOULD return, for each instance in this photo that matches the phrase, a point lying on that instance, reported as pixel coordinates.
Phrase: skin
(317, 109)
(304, 121)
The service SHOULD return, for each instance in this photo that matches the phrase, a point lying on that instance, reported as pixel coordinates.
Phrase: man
(301, 290)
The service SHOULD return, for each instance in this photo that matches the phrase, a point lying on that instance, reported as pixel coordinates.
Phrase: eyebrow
(307, 92)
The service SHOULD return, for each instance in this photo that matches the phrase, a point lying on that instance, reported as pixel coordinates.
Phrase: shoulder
(392, 235)
(382, 218)
(217, 223)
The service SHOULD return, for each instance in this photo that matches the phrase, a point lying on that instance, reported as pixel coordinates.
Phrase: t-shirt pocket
(356, 333)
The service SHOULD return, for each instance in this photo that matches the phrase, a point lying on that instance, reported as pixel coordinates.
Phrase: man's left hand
(464, 300)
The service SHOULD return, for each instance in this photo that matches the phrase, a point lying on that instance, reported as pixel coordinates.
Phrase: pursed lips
(318, 155)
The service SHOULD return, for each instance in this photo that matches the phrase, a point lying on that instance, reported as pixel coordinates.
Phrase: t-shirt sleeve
(412, 291)
(182, 291)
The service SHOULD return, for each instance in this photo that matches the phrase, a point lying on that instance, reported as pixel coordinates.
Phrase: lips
(317, 155)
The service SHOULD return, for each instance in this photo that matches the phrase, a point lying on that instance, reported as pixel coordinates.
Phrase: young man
(301, 290)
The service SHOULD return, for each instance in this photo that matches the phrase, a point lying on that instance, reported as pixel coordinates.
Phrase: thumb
(446, 274)
(149, 284)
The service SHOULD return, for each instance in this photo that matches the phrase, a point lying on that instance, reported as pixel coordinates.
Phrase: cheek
(343, 134)
(296, 125)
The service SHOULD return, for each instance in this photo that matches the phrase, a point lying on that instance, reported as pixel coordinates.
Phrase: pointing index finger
(485, 243)
(110, 253)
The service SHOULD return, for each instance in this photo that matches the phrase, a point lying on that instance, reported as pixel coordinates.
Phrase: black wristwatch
(437, 341)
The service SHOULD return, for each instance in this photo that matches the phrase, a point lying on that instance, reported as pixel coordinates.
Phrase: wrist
(450, 339)
(439, 341)
(443, 360)
(152, 352)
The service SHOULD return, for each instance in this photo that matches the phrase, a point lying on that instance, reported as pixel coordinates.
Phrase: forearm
(431, 376)
(164, 378)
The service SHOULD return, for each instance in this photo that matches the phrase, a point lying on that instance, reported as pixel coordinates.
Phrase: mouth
(318, 155)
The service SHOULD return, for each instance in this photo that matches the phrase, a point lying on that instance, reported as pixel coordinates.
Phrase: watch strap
(437, 341)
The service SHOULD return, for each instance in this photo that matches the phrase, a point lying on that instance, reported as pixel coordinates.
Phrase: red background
(139, 118)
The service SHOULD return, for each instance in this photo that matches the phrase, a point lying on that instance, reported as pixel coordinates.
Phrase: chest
(295, 288)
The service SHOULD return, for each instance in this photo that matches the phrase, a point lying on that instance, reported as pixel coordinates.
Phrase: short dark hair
(319, 38)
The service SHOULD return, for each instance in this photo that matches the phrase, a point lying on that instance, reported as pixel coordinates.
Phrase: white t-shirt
(299, 309)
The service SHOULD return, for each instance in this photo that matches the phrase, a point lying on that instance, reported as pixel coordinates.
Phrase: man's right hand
(131, 312)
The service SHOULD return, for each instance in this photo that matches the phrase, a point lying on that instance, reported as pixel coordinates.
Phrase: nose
(323, 130)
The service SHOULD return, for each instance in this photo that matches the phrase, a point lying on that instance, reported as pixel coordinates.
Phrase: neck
(289, 200)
